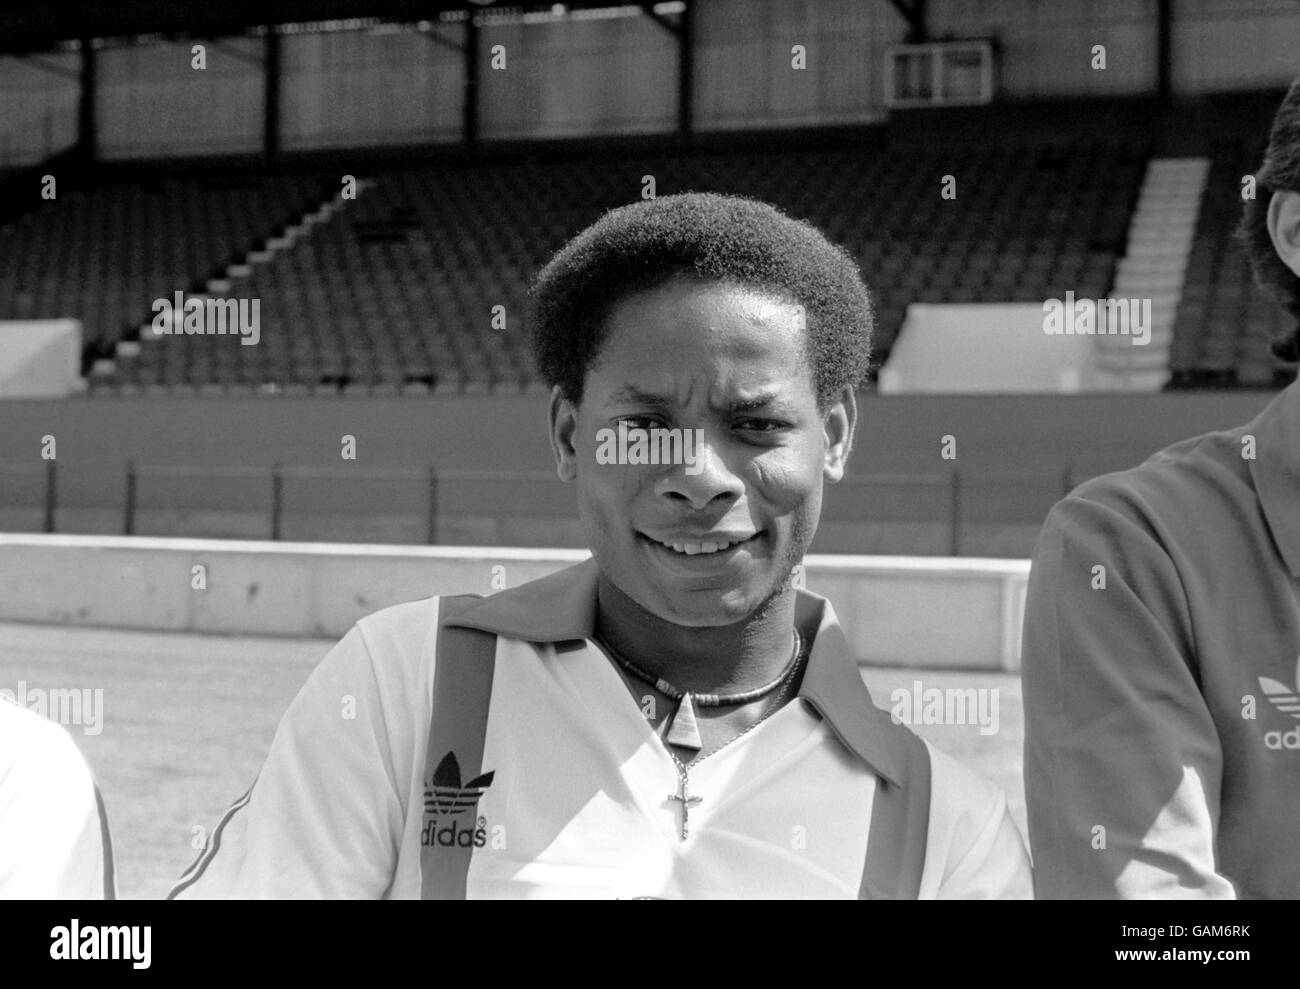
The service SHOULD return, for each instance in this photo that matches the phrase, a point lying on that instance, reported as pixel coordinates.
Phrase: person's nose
(703, 481)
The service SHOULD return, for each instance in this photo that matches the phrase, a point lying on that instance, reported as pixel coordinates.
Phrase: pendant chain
(683, 796)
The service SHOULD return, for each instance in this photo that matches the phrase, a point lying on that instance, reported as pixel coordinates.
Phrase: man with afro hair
(675, 717)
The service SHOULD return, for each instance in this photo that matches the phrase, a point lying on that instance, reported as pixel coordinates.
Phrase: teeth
(695, 549)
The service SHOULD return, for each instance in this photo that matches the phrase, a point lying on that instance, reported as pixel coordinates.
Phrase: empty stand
(1224, 321)
(395, 291)
(103, 254)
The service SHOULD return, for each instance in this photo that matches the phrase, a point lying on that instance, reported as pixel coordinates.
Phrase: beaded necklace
(685, 729)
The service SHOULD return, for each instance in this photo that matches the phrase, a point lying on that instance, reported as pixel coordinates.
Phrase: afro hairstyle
(709, 237)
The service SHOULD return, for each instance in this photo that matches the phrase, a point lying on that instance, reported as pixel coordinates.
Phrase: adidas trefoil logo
(446, 799)
(1287, 701)
(446, 795)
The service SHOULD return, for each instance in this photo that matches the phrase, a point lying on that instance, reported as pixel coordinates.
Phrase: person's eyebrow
(760, 401)
(632, 395)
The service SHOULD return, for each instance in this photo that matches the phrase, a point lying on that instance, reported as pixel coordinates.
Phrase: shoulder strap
(900, 821)
(462, 690)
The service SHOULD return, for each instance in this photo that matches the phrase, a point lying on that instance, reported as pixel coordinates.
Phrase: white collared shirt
(578, 804)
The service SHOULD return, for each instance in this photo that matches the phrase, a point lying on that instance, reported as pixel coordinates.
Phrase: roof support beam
(470, 83)
(87, 137)
(915, 13)
(272, 75)
(683, 29)
(1164, 48)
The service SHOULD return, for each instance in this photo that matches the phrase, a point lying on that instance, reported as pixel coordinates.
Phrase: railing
(429, 484)
(50, 472)
(275, 478)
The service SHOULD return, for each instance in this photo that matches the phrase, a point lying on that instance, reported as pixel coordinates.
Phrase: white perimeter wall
(896, 611)
(39, 358)
(973, 348)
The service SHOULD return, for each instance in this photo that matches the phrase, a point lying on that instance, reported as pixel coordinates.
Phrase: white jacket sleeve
(974, 850)
(324, 818)
(53, 836)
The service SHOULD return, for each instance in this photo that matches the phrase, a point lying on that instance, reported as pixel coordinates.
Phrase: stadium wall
(1222, 45)
(153, 102)
(743, 73)
(38, 107)
(1046, 48)
(360, 88)
(586, 76)
(572, 78)
(887, 606)
(1012, 452)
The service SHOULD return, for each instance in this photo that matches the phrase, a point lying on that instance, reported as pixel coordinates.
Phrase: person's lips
(699, 544)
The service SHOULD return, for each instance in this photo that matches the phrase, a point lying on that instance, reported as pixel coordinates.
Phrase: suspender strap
(462, 689)
(900, 821)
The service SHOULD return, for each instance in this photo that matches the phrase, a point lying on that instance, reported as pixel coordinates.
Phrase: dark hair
(1279, 172)
(710, 237)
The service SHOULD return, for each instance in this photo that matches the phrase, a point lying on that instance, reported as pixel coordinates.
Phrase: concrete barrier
(897, 611)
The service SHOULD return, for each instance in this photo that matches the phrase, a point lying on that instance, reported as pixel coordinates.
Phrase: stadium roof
(41, 25)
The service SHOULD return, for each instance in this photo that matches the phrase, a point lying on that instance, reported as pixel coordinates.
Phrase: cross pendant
(685, 799)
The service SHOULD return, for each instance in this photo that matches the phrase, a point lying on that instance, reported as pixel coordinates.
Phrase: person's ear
(839, 422)
(1284, 227)
(563, 423)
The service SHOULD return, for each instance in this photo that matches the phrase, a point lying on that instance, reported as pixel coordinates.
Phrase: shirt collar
(1276, 471)
(562, 606)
